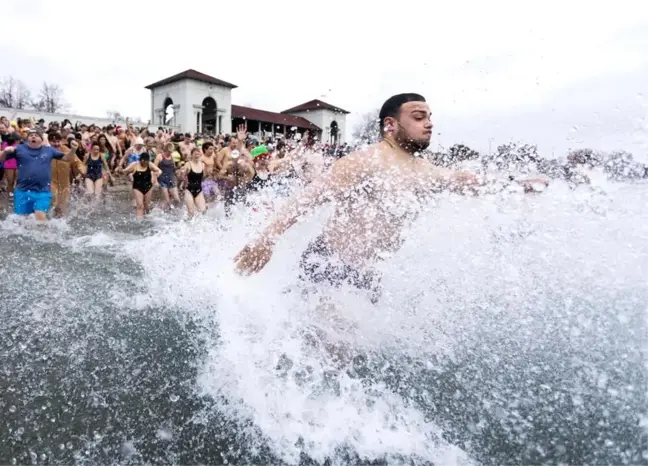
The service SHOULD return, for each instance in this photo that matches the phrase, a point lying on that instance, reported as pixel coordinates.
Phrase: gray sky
(560, 74)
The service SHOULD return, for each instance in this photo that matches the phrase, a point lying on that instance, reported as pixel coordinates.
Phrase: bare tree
(114, 115)
(368, 130)
(14, 93)
(50, 99)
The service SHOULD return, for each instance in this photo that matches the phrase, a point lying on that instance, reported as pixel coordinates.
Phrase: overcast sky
(560, 74)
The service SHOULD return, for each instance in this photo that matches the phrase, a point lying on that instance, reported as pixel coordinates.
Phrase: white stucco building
(331, 120)
(194, 102)
(200, 103)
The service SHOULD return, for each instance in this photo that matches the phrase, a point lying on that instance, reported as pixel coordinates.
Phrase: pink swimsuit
(10, 164)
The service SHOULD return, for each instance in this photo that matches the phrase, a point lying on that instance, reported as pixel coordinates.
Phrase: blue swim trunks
(28, 202)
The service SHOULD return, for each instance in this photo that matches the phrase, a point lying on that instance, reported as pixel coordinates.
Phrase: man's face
(413, 127)
(262, 163)
(233, 143)
(210, 151)
(56, 143)
(34, 140)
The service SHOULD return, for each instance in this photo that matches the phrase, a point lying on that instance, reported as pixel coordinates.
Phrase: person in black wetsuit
(194, 170)
(142, 181)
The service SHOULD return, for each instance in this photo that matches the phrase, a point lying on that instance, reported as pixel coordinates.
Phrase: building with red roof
(195, 102)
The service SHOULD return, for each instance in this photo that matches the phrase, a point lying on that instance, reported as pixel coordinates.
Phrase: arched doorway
(209, 116)
(169, 113)
(333, 137)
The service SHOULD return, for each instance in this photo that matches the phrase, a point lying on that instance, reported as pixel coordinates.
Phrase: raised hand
(241, 132)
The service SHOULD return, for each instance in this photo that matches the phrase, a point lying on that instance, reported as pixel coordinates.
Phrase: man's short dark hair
(53, 135)
(392, 107)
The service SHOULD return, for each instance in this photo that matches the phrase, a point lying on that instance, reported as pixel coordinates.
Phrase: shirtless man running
(375, 192)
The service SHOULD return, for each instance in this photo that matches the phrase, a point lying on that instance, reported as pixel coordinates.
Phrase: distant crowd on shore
(198, 169)
(195, 167)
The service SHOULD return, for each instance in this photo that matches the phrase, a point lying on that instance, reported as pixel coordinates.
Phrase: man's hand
(241, 133)
(10, 149)
(253, 257)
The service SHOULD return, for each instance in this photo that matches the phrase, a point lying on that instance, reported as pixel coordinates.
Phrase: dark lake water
(132, 342)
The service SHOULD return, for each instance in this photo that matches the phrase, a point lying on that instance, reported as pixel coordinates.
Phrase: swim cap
(259, 152)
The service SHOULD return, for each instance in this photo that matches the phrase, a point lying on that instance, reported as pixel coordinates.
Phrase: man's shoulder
(22, 149)
(364, 154)
(369, 158)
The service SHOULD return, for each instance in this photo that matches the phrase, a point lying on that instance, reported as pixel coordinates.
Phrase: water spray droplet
(128, 449)
(174, 398)
(164, 434)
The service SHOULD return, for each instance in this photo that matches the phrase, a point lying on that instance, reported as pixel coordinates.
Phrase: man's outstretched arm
(344, 174)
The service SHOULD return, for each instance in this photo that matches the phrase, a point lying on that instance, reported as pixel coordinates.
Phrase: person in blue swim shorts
(33, 190)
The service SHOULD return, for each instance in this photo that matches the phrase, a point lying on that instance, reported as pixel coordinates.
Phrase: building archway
(333, 134)
(209, 116)
(168, 116)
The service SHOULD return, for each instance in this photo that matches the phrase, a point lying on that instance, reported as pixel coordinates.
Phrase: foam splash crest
(501, 255)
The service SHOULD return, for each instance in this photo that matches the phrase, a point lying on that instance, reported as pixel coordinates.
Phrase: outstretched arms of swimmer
(68, 156)
(346, 173)
(438, 179)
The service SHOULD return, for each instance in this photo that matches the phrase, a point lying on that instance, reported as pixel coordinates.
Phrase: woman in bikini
(142, 171)
(167, 180)
(193, 171)
(96, 168)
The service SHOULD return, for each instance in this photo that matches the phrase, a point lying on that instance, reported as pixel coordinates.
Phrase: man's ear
(390, 124)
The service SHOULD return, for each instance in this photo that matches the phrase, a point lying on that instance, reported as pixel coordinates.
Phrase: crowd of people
(42, 166)
(38, 172)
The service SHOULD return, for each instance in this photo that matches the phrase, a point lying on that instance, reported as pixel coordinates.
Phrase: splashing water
(511, 329)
